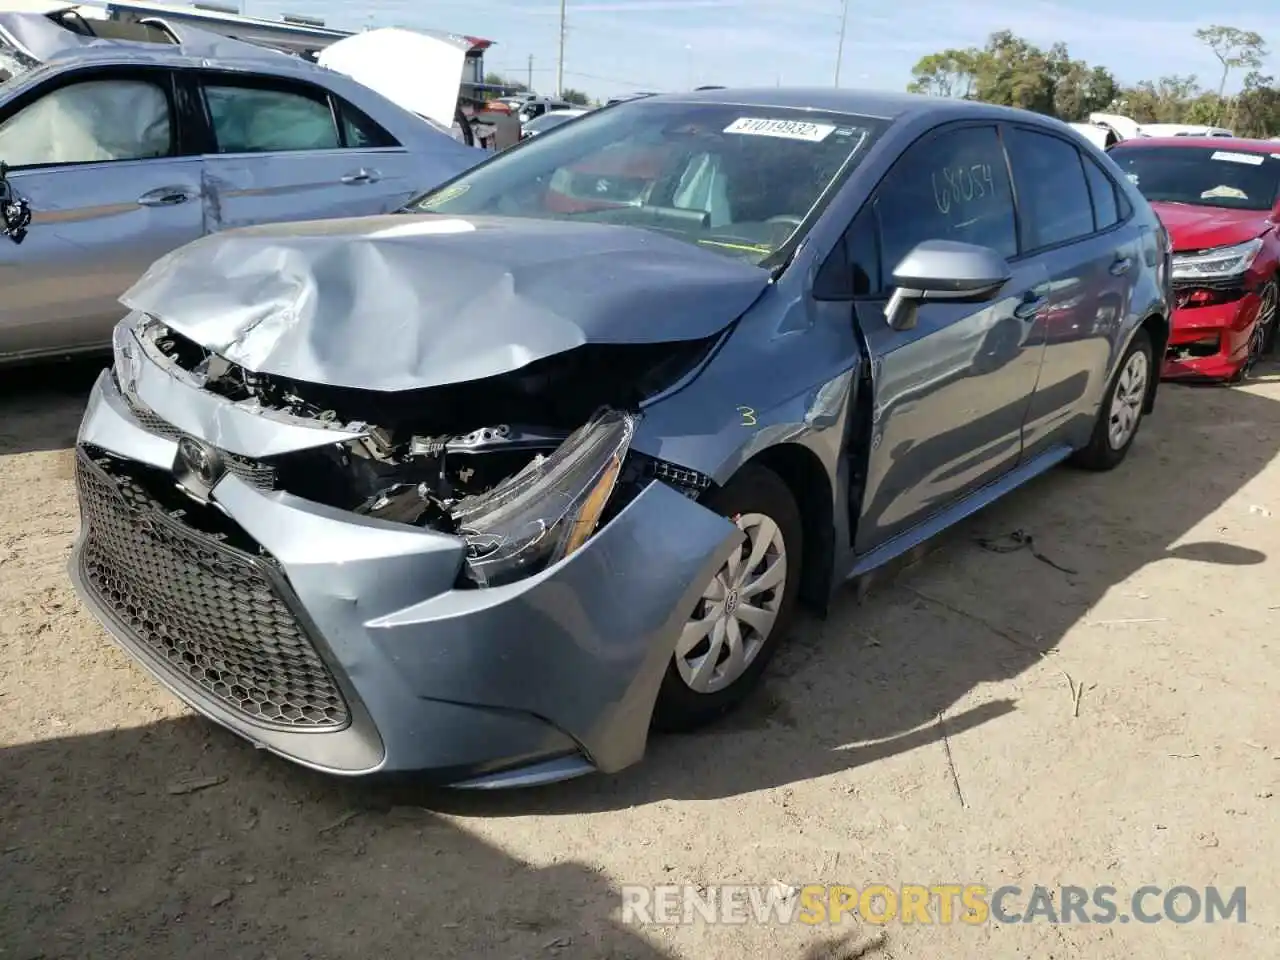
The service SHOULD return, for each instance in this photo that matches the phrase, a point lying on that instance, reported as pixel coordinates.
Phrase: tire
(1103, 453)
(1271, 304)
(754, 493)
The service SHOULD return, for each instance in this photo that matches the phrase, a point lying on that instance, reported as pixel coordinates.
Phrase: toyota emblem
(197, 467)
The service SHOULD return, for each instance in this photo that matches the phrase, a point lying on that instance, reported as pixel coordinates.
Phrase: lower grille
(213, 614)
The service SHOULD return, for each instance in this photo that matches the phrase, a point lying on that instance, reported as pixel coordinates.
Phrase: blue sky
(616, 46)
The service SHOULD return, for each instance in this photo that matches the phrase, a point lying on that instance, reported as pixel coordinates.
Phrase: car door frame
(1076, 424)
(195, 78)
(860, 423)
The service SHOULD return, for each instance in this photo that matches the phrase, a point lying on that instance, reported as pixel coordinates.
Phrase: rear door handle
(1120, 266)
(1030, 306)
(362, 176)
(165, 197)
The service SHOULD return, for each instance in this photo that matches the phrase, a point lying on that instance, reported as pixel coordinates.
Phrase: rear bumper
(1211, 343)
(342, 643)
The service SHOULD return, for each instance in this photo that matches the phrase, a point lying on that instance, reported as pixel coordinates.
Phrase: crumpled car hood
(405, 301)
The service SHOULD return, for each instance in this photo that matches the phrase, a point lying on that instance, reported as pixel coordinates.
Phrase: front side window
(90, 122)
(736, 180)
(1201, 176)
(249, 119)
(1053, 196)
(952, 186)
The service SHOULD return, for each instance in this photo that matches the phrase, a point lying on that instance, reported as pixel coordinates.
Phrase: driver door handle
(165, 197)
(362, 176)
(1120, 266)
(1030, 306)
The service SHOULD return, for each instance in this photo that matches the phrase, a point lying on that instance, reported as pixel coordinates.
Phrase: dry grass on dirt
(928, 734)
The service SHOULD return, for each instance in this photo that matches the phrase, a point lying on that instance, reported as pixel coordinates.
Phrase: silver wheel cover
(738, 609)
(1126, 402)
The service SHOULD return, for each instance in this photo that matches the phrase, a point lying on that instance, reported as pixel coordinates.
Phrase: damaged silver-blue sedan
(488, 489)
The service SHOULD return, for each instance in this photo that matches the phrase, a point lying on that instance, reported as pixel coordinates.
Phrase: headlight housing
(1219, 263)
(126, 354)
(545, 512)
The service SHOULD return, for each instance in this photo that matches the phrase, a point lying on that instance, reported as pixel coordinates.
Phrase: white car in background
(549, 121)
(120, 142)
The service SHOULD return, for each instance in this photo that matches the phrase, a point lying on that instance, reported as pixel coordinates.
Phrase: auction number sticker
(1250, 158)
(787, 129)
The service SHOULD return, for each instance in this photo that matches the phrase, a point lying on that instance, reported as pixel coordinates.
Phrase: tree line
(1012, 71)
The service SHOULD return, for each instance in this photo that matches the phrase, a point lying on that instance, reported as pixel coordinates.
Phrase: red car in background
(1217, 197)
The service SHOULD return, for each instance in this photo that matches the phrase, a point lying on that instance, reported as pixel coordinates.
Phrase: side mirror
(943, 270)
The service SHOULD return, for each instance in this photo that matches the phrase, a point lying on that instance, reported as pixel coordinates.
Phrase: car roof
(1236, 144)
(882, 104)
(51, 43)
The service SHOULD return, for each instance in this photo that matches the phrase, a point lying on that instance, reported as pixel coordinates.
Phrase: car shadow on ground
(41, 404)
(104, 853)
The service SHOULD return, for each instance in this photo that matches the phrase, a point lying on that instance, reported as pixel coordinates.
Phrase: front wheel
(1121, 413)
(745, 610)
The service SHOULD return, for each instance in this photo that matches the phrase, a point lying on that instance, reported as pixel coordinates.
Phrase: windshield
(1202, 176)
(737, 180)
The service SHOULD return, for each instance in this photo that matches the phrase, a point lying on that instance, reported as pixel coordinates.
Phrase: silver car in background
(121, 142)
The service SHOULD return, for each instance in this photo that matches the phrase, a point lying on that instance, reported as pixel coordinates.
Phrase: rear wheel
(745, 610)
(1122, 407)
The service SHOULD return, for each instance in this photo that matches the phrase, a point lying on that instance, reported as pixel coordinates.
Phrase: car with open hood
(488, 489)
(121, 141)
(1220, 200)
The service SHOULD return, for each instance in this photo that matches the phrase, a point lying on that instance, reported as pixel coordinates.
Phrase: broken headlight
(545, 512)
(1216, 263)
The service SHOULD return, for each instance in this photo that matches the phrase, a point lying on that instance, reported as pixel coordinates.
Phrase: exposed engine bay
(454, 458)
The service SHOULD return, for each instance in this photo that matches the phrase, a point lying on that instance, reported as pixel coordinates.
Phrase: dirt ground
(927, 734)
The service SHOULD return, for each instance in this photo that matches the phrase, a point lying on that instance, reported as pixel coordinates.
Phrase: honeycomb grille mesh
(210, 612)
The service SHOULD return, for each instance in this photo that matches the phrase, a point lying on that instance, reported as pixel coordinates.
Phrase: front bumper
(342, 643)
(1211, 342)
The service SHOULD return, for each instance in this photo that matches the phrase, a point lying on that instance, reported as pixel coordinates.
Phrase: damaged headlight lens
(125, 355)
(1218, 263)
(545, 512)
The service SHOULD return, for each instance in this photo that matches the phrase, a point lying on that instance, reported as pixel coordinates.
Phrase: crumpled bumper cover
(539, 680)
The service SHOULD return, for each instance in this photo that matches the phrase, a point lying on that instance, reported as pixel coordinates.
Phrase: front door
(290, 150)
(950, 395)
(96, 158)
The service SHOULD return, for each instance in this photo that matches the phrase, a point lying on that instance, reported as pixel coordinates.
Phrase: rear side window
(360, 132)
(249, 119)
(1053, 196)
(951, 186)
(1106, 208)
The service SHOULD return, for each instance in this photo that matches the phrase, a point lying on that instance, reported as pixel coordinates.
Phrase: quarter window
(360, 132)
(1106, 210)
(90, 122)
(953, 186)
(1053, 196)
(249, 119)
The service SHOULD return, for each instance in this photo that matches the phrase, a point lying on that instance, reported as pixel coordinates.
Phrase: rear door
(1070, 219)
(949, 395)
(283, 149)
(99, 156)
